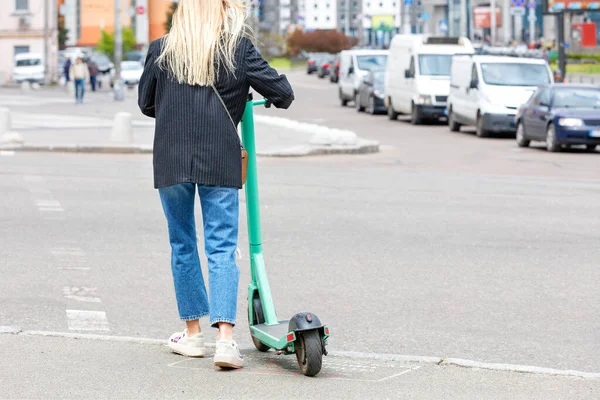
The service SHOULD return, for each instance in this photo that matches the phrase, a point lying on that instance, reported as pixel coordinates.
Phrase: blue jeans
(79, 90)
(220, 210)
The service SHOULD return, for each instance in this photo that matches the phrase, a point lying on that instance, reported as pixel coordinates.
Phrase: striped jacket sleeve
(147, 85)
(265, 80)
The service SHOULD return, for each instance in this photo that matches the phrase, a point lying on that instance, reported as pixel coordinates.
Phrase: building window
(22, 5)
(21, 50)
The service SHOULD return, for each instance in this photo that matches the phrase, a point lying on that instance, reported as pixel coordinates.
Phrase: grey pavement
(68, 369)
(442, 245)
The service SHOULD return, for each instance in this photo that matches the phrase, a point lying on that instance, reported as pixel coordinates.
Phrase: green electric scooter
(303, 334)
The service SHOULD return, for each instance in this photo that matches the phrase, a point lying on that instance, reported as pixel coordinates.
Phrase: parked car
(29, 67)
(560, 115)
(325, 67)
(314, 61)
(354, 66)
(418, 75)
(131, 72)
(370, 95)
(487, 91)
(103, 62)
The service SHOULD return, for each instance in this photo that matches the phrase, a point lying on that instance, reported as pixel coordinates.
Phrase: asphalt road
(441, 245)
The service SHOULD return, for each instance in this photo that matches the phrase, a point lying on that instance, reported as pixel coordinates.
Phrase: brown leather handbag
(244, 152)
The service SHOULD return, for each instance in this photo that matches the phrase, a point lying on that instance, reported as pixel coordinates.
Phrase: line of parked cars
(439, 78)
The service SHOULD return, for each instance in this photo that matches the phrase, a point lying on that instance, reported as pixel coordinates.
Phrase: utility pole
(506, 21)
(531, 18)
(119, 95)
(407, 25)
(463, 17)
(347, 19)
(493, 22)
(47, 78)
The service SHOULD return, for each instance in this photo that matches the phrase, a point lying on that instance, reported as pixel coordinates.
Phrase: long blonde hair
(203, 38)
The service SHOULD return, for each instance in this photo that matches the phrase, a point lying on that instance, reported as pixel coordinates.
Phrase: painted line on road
(83, 320)
(349, 354)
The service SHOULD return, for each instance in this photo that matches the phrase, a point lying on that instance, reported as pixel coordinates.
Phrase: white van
(354, 66)
(29, 67)
(487, 91)
(417, 80)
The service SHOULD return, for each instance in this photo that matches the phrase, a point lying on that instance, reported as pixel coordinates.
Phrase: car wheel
(371, 109)
(359, 106)
(551, 140)
(416, 118)
(481, 131)
(522, 141)
(392, 114)
(343, 101)
(590, 148)
(452, 124)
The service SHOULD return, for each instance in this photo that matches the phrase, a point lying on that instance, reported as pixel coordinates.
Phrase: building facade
(22, 31)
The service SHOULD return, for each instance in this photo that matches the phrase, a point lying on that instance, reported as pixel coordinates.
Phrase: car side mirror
(350, 70)
(545, 105)
(474, 84)
(407, 74)
(366, 80)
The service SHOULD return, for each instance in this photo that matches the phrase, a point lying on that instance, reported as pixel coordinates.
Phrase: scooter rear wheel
(309, 352)
(258, 318)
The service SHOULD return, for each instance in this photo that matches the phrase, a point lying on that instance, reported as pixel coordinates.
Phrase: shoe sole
(227, 361)
(187, 350)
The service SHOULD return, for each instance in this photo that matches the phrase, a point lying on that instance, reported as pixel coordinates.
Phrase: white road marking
(47, 209)
(82, 320)
(83, 294)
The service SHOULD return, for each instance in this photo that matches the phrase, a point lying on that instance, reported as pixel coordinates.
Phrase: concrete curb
(364, 147)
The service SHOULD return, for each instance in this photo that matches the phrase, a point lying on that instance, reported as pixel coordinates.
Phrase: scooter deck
(272, 335)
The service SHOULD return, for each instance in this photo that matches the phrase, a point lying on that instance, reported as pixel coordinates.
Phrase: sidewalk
(59, 367)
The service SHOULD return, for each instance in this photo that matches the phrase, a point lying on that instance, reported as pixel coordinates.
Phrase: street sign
(517, 11)
(531, 4)
(408, 2)
(443, 26)
(140, 10)
(518, 3)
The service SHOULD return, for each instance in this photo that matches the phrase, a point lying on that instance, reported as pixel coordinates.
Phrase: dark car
(325, 67)
(314, 62)
(370, 93)
(561, 115)
(103, 62)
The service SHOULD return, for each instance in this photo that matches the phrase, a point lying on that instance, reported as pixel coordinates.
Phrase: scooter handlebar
(261, 102)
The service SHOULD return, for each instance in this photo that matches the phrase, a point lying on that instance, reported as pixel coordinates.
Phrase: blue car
(561, 115)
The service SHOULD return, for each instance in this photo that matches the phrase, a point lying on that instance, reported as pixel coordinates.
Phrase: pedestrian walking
(93, 70)
(195, 83)
(80, 74)
(67, 69)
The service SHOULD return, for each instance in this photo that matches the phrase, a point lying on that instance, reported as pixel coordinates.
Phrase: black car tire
(392, 114)
(359, 106)
(343, 101)
(551, 142)
(371, 108)
(415, 115)
(590, 148)
(481, 131)
(452, 124)
(522, 140)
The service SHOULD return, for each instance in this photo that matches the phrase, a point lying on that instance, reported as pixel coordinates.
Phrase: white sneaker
(227, 355)
(191, 346)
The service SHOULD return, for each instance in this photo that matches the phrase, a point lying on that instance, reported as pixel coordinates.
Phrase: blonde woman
(196, 81)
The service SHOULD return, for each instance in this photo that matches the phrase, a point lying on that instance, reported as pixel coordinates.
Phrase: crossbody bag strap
(228, 113)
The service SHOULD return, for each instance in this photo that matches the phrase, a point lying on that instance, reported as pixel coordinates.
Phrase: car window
(544, 97)
(515, 74)
(435, 64)
(367, 63)
(577, 98)
(29, 63)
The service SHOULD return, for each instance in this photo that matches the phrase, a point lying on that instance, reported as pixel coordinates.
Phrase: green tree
(170, 13)
(63, 35)
(107, 42)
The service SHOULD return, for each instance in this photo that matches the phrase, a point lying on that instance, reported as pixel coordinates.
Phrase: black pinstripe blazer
(194, 140)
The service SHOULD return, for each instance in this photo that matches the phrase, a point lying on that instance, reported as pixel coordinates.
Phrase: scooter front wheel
(257, 318)
(309, 352)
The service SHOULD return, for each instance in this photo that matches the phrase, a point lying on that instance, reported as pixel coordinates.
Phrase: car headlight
(425, 99)
(570, 122)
